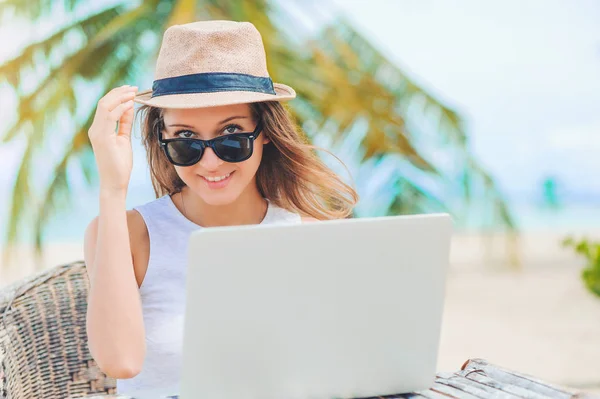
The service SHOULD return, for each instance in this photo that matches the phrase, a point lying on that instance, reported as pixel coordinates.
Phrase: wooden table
(478, 379)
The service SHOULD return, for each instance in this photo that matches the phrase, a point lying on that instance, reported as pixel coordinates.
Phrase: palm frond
(57, 193)
(53, 94)
(29, 9)
(340, 76)
(340, 38)
(123, 22)
(86, 62)
(345, 55)
(39, 102)
(57, 197)
(414, 199)
(183, 11)
(88, 26)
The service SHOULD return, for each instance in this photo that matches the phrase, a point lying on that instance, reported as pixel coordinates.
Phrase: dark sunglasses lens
(185, 152)
(234, 148)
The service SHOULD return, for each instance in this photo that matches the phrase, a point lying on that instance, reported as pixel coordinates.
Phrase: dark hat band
(211, 82)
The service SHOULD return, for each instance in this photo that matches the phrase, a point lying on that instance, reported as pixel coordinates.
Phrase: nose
(210, 161)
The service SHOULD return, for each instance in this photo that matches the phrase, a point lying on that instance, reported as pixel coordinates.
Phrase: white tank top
(163, 295)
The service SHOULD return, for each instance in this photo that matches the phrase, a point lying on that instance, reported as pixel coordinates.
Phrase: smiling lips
(217, 181)
(217, 178)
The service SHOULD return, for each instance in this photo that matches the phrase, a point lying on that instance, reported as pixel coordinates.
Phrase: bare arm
(115, 325)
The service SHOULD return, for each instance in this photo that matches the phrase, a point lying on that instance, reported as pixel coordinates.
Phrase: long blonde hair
(290, 174)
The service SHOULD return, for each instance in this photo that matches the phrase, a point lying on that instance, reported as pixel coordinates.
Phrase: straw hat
(211, 63)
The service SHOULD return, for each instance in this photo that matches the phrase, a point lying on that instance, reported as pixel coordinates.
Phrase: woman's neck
(249, 208)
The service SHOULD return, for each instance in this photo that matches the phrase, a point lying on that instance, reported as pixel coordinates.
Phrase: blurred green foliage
(591, 252)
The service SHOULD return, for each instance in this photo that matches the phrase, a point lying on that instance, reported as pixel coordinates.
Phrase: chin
(224, 196)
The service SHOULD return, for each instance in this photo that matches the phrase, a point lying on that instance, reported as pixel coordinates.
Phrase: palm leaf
(29, 9)
(363, 97)
(414, 200)
(396, 94)
(88, 26)
(36, 110)
(87, 62)
(57, 193)
(183, 11)
(57, 196)
(374, 64)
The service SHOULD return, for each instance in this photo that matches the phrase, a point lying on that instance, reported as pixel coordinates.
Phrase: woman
(222, 150)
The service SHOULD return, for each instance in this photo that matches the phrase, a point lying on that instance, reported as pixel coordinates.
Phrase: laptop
(336, 309)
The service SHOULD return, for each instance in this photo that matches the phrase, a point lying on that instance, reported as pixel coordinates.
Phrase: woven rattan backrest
(43, 341)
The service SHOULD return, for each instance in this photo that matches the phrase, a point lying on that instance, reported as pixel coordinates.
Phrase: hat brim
(214, 99)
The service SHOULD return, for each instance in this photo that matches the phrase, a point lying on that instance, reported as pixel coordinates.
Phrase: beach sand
(536, 318)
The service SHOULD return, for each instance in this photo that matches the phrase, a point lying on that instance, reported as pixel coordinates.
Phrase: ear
(266, 140)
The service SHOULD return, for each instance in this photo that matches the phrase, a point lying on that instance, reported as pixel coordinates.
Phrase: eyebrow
(220, 123)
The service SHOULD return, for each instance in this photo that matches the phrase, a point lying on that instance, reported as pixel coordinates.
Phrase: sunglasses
(234, 147)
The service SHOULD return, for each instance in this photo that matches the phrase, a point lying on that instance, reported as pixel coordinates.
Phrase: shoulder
(139, 242)
(307, 219)
(138, 233)
(135, 225)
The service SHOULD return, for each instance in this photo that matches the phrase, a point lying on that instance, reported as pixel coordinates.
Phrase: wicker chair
(43, 341)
